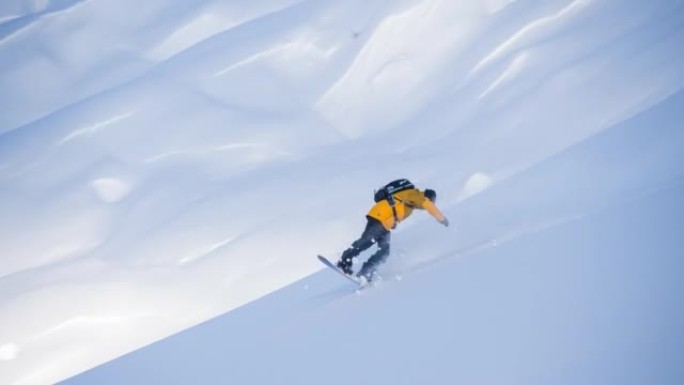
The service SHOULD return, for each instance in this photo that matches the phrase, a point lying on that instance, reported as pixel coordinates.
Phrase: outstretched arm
(434, 211)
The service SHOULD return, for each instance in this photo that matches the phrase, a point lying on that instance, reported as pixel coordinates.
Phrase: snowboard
(361, 283)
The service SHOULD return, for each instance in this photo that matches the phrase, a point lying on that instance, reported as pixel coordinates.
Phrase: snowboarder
(394, 203)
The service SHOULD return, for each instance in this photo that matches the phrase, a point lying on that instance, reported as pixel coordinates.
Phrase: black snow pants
(374, 232)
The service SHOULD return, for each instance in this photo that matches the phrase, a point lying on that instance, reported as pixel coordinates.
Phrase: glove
(445, 222)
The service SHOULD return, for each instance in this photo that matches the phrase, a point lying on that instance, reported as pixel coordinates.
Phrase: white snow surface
(174, 166)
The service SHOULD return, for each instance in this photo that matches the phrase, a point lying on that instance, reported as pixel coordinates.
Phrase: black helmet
(431, 195)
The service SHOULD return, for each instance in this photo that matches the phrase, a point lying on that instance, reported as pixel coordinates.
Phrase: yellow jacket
(404, 203)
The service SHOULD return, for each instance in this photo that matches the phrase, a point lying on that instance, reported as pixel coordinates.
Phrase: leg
(369, 236)
(378, 258)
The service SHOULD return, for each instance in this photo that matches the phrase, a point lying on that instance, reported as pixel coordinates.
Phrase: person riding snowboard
(394, 203)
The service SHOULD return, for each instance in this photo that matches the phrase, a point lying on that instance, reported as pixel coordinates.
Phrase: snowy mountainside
(564, 298)
(164, 163)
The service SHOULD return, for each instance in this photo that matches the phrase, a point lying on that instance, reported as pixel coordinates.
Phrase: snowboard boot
(367, 272)
(347, 260)
(345, 264)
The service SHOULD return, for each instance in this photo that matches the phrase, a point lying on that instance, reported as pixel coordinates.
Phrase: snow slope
(164, 163)
(589, 293)
(584, 302)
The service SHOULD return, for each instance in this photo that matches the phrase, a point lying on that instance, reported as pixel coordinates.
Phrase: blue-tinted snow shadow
(16, 24)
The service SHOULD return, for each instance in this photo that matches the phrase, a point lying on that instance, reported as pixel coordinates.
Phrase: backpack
(386, 191)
